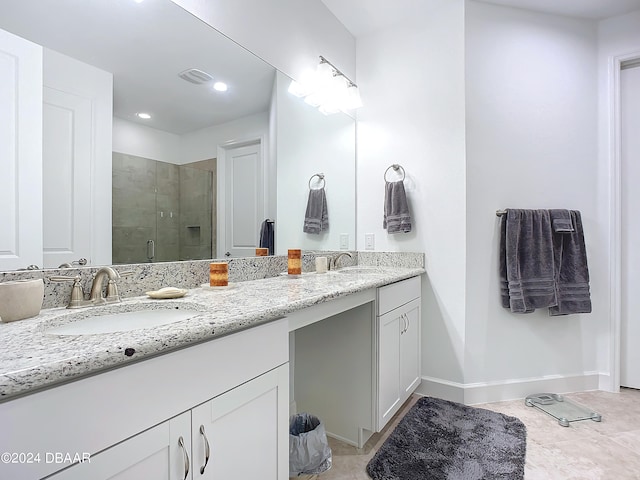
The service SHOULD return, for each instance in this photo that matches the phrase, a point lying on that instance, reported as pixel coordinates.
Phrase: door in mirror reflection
(244, 199)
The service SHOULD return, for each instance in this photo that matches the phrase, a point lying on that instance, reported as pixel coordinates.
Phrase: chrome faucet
(338, 257)
(95, 296)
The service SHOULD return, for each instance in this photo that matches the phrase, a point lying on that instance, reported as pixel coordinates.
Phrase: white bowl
(20, 299)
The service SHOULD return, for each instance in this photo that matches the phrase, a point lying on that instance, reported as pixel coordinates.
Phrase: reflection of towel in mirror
(267, 236)
(316, 218)
(396, 209)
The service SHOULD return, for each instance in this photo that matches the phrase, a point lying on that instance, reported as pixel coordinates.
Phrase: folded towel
(267, 236)
(396, 209)
(561, 221)
(572, 280)
(316, 218)
(529, 260)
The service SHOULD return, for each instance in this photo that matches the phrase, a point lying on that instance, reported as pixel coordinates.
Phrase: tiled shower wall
(174, 205)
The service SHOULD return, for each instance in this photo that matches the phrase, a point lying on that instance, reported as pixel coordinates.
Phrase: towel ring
(320, 176)
(396, 167)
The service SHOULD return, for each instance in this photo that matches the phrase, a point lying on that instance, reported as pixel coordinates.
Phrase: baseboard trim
(486, 392)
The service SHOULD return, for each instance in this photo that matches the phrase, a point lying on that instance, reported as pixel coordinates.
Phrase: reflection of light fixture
(138, 1)
(142, 115)
(327, 88)
(220, 86)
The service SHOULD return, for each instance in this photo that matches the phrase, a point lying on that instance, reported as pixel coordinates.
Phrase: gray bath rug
(441, 440)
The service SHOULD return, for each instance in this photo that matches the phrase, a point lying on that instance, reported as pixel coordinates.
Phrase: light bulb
(220, 86)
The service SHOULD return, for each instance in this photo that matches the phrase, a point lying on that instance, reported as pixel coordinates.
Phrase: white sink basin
(122, 321)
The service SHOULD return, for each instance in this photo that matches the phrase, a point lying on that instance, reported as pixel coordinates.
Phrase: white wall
(134, 139)
(203, 144)
(411, 79)
(617, 36)
(288, 34)
(531, 143)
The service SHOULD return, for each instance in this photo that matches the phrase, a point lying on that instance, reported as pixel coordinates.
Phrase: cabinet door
(154, 454)
(389, 327)
(410, 349)
(244, 432)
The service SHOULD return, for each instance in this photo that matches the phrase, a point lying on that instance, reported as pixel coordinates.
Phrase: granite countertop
(32, 359)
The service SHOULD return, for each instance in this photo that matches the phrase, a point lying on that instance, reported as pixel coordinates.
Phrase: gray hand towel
(561, 221)
(529, 260)
(316, 218)
(572, 280)
(397, 218)
(267, 235)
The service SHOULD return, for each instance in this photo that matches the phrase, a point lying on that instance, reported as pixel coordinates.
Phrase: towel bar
(500, 213)
(320, 176)
(395, 167)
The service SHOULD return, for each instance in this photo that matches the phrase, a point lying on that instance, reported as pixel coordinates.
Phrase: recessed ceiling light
(144, 116)
(220, 86)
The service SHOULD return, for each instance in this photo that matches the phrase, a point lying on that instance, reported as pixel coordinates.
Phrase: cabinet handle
(186, 457)
(405, 321)
(206, 450)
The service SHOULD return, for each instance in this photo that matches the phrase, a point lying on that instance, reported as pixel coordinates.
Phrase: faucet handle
(77, 293)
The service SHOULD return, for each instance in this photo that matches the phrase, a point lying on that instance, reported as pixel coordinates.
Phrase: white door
(154, 454)
(244, 208)
(242, 433)
(77, 125)
(20, 152)
(630, 308)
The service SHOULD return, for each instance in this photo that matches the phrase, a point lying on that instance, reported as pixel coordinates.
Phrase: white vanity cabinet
(129, 420)
(398, 323)
(211, 441)
(156, 454)
(239, 434)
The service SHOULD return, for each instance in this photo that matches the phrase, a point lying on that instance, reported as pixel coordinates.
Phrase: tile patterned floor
(587, 450)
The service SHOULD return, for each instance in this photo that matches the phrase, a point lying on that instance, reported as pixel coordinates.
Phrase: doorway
(630, 224)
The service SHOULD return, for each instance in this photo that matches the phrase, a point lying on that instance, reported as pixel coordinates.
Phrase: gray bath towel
(397, 218)
(572, 280)
(561, 221)
(529, 261)
(316, 218)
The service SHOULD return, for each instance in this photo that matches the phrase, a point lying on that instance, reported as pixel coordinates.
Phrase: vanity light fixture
(327, 88)
(143, 116)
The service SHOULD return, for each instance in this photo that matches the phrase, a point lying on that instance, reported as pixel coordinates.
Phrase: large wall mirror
(199, 177)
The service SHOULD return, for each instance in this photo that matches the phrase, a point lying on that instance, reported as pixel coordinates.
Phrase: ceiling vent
(196, 76)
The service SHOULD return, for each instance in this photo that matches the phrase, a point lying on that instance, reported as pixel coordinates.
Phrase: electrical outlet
(369, 241)
(344, 241)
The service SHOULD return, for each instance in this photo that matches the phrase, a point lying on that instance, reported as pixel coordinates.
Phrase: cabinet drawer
(397, 294)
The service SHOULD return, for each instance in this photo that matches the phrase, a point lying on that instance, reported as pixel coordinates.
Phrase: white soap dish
(168, 292)
(20, 299)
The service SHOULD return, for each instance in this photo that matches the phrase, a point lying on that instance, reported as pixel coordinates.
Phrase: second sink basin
(122, 321)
